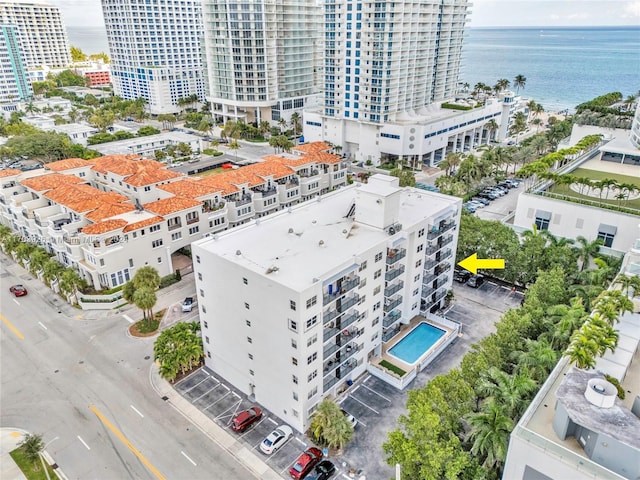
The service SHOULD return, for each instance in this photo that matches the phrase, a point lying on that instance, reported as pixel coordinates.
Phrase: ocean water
(563, 66)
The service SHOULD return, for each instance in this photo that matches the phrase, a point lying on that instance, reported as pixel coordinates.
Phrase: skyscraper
(155, 50)
(14, 84)
(388, 67)
(40, 31)
(262, 57)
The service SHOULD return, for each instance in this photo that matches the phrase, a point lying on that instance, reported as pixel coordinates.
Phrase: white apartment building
(147, 145)
(41, 32)
(295, 305)
(263, 57)
(109, 216)
(77, 132)
(155, 51)
(14, 84)
(389, 66)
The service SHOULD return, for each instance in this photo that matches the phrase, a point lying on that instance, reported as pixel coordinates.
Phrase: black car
(322, 471)
(475, 281)
(461, 276)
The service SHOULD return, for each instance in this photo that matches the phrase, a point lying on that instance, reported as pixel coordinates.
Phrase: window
(208, 354)
(294, 360)
(292, 304)
(375, 321)
(362, 284)
(293, 325)
(420, 248)
(378, 256)
(295, 396)
(294, 343)
(176, 236)
(246, 305)
(156, 243)
(251, 372)
(313, 391)
(312, 375)
(206, 325)
(250, 356)
(418, 263)
(311, 340)
(416, 278)
(312, 357)
(376, 306)
(198, 258)
(204, 309)
(376, 290)
(206, 339)
(363, 266)
(199, 276)
(377, 274)
(312, 301)
(248, 322)
(542, 219)
(416, 291)
(245, 281)
(154, 228)
(607, 233)
(421, 232)
(312, 321)
(194, 230)
(294, 379)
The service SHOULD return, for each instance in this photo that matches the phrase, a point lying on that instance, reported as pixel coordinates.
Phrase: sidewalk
(9, 440)
(211, 429)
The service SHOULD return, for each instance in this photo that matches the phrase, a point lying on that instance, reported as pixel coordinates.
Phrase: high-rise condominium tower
(155, 50)
(14, 83)
(262, 57)
(41, 33)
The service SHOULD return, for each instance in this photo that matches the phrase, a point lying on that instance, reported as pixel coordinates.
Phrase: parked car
(351, 418)
(245, 419)
(475, 204)
(305, 462)
(461, 276)
(501, 188)
(488, 194)
(483, 201)
(469, 208)
(323, 471)
(188, 304)
(475, 280)
(276, 439)
(18, 290)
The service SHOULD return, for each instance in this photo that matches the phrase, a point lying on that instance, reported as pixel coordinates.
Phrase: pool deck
(404, 331)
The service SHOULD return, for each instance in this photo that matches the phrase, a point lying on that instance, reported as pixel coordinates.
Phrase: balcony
(348, 320)
(445, 241)
(429, 264)
(395, 254)
(447, 226)
(174, 226)
(394, 273)
(71, 240)
(391, 318)
(426, 292)
(390, 334)
(344, 305)
(330, 333)
(268, 192)
(339, 375)
(343, 288)
(429, 278)
(442, 268)
(446, 254)
(392, 303)
(393, 289)
(431, 249)
(193, 220)
(434, 233)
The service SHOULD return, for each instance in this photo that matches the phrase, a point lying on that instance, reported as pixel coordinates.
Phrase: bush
(455, 106)
(178, 275)
(614, 381)
(168, 280)
(393, 368)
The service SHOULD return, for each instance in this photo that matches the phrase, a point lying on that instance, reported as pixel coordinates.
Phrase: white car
(276, 439)
(351, 418)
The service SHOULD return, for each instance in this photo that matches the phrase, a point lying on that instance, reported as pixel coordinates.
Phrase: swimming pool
(416, 343)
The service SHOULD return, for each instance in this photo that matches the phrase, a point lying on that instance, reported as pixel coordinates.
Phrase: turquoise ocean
(563, 66)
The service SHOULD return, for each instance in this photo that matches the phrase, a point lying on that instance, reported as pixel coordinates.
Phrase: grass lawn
(597, 176)
(27, 466)
(214, 171)
(393, 368)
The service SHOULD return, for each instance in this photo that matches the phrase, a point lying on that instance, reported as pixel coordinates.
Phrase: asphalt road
(84, 385)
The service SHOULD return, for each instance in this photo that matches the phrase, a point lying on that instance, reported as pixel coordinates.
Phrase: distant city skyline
(485, 13)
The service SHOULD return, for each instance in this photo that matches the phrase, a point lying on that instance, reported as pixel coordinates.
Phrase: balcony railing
(345, 305)
(344, 371)
(446, 254)
(330, 333)
(395, 254)
(345, 288)
(349, 319)
(393, 289)
(390, 334)
(174, 226)
(434, 233)
(426, 292)
(427, 279)
(446, 241)
(394, 272)
(391, 318)
(429, 264)
(392, 304)
(447, 226)
(193, 220)
(431, 249)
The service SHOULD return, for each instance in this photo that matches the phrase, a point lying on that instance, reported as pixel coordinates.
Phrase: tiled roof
(253, 175)
(142, 224)
(136, 171)
(323, 157)
(313, 147)
(84, 198)
(67, 164)
(290, 162)
(170, 205)
(108, 210)
(103, 227)
(220, 183)
(10, 172)
(190, 188)
(49, 181)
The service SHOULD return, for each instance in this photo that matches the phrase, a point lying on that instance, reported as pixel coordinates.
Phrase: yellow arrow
(473, 263)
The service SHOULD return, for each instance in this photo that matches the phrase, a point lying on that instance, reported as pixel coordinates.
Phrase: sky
(485, 13)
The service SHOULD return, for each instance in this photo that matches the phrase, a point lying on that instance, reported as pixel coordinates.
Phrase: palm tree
(563, 320)
(492, 127)
(489, 434)
(519, 82)
(283, 124)
(626, 282)
(32, 447)
(147, 277)
(235, 146)
(519, 124)
(537, 360)
(582, 350)
(51, 271)
(23, 251)
(145, 299)
(510, 391)
(620, 303)
(587, 250)
(264, 127)
(329, 426)
(38, 258)
(70, 281)
(5, 232)
(295, 123)
(537, 122)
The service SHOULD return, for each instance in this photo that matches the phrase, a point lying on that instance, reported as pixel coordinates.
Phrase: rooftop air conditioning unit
(601, 393)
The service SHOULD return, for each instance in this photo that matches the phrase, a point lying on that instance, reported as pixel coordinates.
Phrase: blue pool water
(416, 343)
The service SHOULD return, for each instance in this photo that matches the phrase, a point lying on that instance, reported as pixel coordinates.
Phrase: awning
(607, 229)
(543, 215)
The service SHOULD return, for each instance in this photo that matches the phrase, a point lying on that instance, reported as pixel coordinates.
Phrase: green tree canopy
(77, 55)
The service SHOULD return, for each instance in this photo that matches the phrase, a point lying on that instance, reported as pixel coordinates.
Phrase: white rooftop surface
(135, 216)
(322, 237)
(121, 146)
(74, 128)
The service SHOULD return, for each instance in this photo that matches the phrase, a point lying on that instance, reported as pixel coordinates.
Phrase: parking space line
(253, 428)
(201, 381)
(360, 401)
(216, 401)
(42, 325)
(205, 393)
(379, 394)
(16, 301)
(300, 441)
(83, 442)
(235, 394)
(234, 405)
(224, 386)
(188, 458)
(198, 372)
(272, 421)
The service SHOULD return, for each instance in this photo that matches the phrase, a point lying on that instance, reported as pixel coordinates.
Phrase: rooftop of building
(302, 244)
(71, 128)
(67, 164)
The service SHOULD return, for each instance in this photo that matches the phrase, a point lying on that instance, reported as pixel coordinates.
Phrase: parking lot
(375, 404)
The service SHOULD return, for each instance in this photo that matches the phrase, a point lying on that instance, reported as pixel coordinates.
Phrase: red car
(305, 462)
(245, 419)
(18, 290)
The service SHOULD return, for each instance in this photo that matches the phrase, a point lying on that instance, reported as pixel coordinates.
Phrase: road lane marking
(127, 318)
(187, 457)
(42, 325)
(16, 332)
(16, 301)
(136, 410)
(124, 440)
(83, 442)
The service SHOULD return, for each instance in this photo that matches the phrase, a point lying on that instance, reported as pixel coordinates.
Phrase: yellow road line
(11, 327)
(129, 445)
